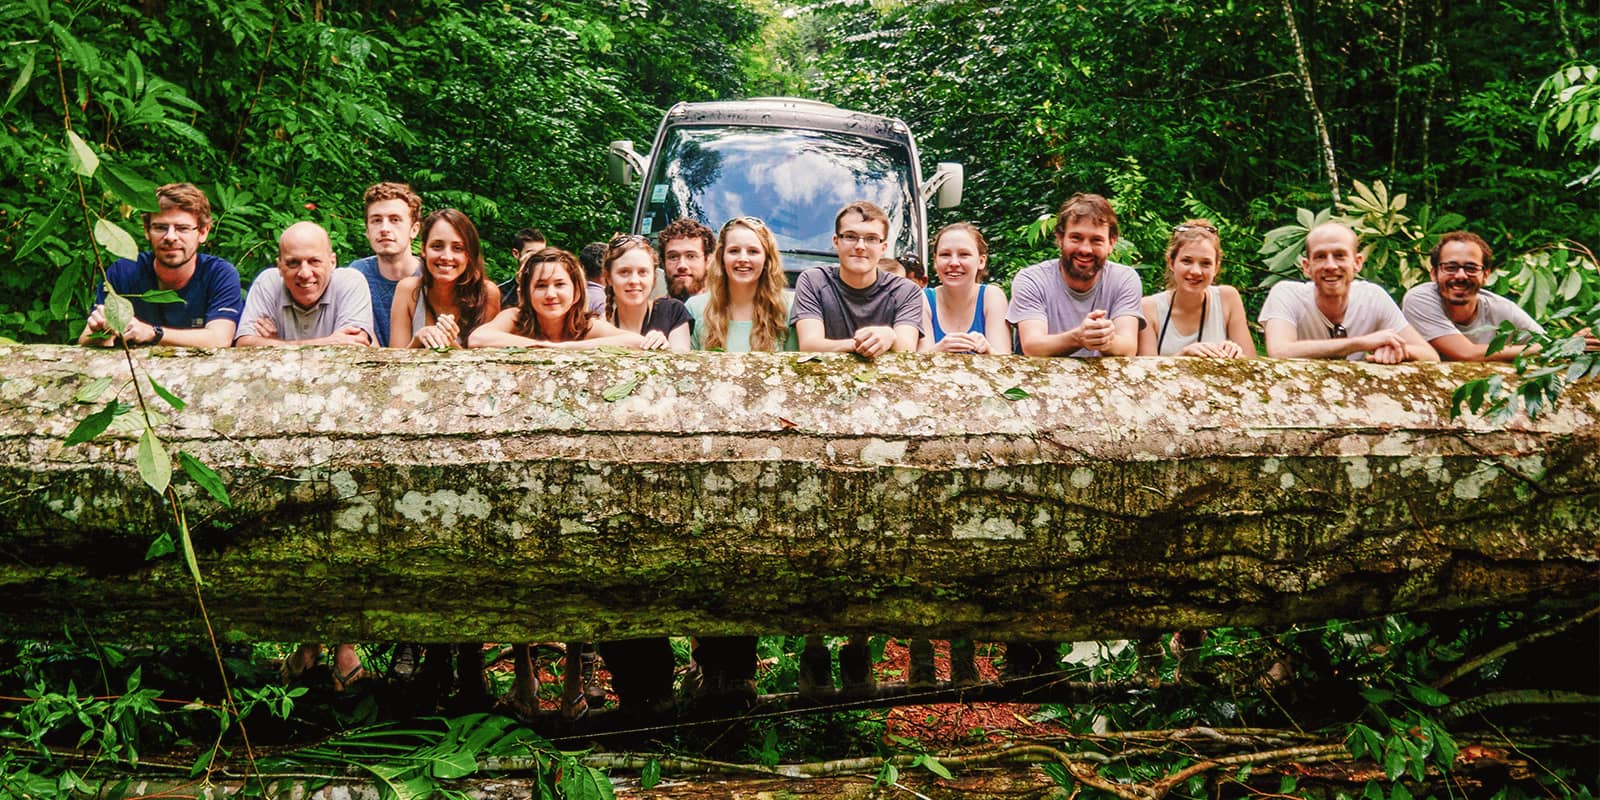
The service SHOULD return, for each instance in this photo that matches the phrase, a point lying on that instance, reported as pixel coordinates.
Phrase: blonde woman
(1194, 316)
(746, 303)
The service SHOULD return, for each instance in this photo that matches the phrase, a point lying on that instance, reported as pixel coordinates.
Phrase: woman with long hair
(746, 303)
(964, 315)
(630, 274)
(554, 311)
(1195, 316)
(452, 297)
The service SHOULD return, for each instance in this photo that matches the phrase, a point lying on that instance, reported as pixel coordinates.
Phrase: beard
(1458, 293)
(1083, 273)
(684, 287)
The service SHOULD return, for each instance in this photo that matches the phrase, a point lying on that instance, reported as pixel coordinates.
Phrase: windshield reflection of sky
(794, 180)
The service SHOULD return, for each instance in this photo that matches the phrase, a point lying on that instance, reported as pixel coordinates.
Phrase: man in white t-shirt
(1454, 312)
(1080, 304)
(1333, 315)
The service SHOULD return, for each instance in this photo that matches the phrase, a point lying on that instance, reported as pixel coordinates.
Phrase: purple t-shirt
(1040, 292)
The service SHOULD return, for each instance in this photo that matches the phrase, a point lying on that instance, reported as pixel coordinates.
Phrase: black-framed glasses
(870, 240)
(1464, 267)
(625, 239)
(1337, 332)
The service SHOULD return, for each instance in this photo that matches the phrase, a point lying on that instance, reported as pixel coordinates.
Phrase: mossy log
(527, 496)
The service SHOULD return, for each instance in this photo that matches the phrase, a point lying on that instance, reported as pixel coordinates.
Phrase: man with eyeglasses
(1081, 304)
(207, 285)
(1454, 312)
(855, 307)
(1333, 315)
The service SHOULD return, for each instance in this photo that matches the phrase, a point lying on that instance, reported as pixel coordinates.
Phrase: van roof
(789, 112)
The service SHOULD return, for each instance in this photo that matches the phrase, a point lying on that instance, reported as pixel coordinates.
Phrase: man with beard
(208, 286)
(393, 213)
(1079, 305)
(1454, 312)
(1333, 315)
(685, 246)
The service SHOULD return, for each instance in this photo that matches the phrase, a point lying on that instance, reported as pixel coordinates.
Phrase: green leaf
(1399, 792)
(92, 391)
(159, 296)
(1377, 695)
(130, 188)
(112, 237)
(208, 479)
(1394, 759)
(936, 768)
(808, 357)
(651, 774)
(154, 466)
(119, 312)
(160, 547)
(1427, 695)
(41, 231)
(1015, 393)
(84, 161)
(92, 425)
(866, 376)
(611, 349)
(450, 766)
(61, 292)
(619, 390)
(173, 400)
(23, 76)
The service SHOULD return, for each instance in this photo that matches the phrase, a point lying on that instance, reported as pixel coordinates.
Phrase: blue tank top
(977, 318)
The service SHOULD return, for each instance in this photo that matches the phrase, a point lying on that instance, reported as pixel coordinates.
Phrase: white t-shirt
(1040, 292)
(1370, 309)
(1424, 309)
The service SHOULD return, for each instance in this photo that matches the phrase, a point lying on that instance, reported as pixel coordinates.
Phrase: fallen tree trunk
(524, 496)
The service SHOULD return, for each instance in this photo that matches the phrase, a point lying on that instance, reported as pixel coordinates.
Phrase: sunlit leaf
(619, 390)
(24, 75)
(84, 161)
(92, 390)
(119, 312)
(154, 466)
(112, 237)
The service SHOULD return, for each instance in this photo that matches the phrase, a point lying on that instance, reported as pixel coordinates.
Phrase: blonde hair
(1190, 231)
(769, 325)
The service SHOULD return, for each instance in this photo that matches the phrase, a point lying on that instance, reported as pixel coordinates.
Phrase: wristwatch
(160, 333)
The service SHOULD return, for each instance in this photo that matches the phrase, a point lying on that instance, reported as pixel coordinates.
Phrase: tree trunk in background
(1303, 67)
(500, 496)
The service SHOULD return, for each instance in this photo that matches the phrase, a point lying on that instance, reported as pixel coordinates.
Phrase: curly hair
(390, 190)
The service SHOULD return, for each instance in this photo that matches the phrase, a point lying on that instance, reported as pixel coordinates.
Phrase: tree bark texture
(1303, 68)
(500, 496)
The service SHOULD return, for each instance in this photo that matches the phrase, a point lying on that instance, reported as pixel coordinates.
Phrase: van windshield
(794, 180)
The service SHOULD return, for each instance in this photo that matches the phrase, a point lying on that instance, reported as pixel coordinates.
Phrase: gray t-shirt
(1424, 309)
(1040, 292)
(1369, 309)
(346, 301)
(820, 294)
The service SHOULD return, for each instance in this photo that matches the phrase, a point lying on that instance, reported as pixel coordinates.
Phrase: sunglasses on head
(625, 239)
(754, 222)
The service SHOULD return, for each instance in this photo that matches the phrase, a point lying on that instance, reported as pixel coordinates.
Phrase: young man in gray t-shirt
(1454, 312)
(854, 307)
(1081, 304)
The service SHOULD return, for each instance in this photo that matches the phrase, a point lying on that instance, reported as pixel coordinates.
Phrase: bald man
(305, 300)
(1333, 315)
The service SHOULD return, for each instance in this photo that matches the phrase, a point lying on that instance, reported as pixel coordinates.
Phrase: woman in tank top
(554, 310)
(442, 306)
(963, 315)
(746, 303)
(630, 274)
(1194, 316)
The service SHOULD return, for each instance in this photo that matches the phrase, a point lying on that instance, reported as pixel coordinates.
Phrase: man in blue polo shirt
(209, 286)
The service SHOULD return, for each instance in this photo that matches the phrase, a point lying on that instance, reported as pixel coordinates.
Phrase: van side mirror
(623, 163)
(944, 188)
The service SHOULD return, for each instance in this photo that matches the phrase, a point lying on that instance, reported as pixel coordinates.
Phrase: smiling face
(1461, 272)
(957, 258)
(1194, 267)
(631, 276)
(1085, 245)
(861, 242)
(685, 259)
(306, 262)
(175, 237)
(445, 252)
(743, 256)
(390, 227)
(1333, 259)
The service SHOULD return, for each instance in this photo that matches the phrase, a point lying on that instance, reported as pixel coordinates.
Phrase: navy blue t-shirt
(212, 293)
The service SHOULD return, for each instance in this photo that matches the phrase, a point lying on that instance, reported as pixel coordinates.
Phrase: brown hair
(971, 229)
(575, 324)
(769, 324)
(471, 299)
(1092, 207)
(389, 190)
(617, 248)
(1462, 236)
(685, 228)
(184, 197)
(1192, 230)
(870, 212)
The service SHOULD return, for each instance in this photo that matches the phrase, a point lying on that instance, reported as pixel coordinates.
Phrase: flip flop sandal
(342, 683)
